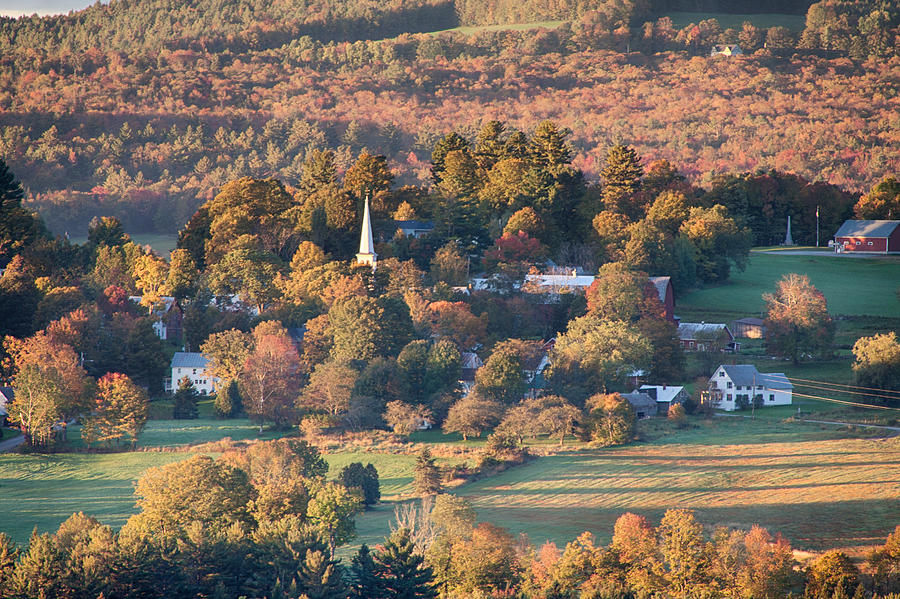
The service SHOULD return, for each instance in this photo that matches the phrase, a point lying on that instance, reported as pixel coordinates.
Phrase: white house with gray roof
(195, 366)
(728, 384)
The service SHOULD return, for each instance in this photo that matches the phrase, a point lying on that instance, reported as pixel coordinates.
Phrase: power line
(849, 392)
(848, 403)
(843, 385)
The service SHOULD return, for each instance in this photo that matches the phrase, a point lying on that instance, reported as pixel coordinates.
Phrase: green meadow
(795, 23)
(852, 286)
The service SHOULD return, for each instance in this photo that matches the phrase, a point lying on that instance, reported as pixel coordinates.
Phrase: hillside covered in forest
(146, 108)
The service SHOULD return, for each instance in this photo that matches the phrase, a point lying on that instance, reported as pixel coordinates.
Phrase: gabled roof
(185, 359)
(690, 330)
(639, 400)
(867, 228)
(663, 393)
(746, 375)
(470, 360)
(661, 283)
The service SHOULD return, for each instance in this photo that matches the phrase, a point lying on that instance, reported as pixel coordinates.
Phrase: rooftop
(184, 359)
(747, 375)
(867, 228)
(690, 330)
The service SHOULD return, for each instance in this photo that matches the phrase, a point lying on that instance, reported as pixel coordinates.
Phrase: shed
(751, 328)
(877, 236)
(704, 336)
(726, 50)
(644, 405)
(665, 395)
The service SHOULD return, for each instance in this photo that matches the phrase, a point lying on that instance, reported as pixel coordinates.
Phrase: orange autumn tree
(120, 410)
(50, 385)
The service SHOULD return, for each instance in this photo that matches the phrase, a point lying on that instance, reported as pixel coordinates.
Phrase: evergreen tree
(400, 572)
(185, 406)
(363, 583)
(320, 577)
(427, 477)
(19, 227)
(228, 400)
(364, 478)
(621, 178)
(447, 144)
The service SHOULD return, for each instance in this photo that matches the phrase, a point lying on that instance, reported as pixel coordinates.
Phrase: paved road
(10, 444)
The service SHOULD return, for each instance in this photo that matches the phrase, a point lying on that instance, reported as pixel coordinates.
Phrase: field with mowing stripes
(801, 480)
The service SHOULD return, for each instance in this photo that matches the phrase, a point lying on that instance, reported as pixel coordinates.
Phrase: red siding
(894, 241)
(879, 244)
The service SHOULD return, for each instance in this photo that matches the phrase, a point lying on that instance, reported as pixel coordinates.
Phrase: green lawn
(163, 244)
(795, 23)
(852, 286)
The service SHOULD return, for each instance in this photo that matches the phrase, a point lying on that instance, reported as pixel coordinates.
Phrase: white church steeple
(366, 253)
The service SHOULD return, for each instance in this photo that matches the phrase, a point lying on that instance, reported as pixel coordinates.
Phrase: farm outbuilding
(751, 328)
(878, 236)
(644, 405)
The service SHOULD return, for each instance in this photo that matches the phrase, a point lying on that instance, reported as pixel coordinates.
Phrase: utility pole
(817, 226)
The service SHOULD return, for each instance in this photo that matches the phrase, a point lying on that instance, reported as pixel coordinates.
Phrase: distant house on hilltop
(414, 228)
(168, 317)
(879, 236)
(730, 385)
(726, 50)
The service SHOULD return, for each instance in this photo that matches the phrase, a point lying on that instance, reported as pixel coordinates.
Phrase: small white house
(195, 366)
(729, 384)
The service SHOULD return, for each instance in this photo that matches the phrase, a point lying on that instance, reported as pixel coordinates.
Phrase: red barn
(880, 236)
(663, 286)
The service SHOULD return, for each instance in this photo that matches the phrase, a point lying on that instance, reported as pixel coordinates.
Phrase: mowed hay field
(820, 494)
(852, 286)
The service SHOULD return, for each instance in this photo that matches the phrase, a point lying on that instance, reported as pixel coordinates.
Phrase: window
(721, 373)
(691, 344)
(858, 243)
(771, 397)
(728, 397)
(869, 243)
(729, 384)
(759, 387)
(194, 371)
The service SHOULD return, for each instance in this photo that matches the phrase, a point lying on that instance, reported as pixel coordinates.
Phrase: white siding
(203, 383)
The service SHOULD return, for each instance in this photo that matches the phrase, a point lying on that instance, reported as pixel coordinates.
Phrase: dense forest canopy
(145, 113)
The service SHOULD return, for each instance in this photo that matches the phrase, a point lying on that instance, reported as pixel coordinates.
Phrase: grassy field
(163, 244)
(795, 23)
(852, 286)
(806, 481)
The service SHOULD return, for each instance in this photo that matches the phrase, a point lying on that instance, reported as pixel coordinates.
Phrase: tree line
(263, 521)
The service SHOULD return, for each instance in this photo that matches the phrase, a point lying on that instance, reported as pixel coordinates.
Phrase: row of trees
(258, 522)
(183, 545)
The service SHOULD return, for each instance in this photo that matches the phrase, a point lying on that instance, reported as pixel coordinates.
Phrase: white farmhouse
(195, 366)
(730, 383)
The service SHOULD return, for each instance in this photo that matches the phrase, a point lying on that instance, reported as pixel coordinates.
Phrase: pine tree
(186, 396)
(621, 178)
(320, 577)
(427, 478)
(363, 583)
(401, 573)
(19, 227)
